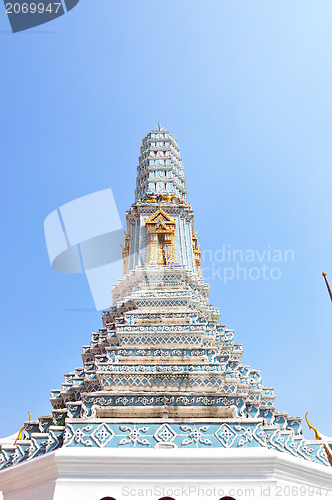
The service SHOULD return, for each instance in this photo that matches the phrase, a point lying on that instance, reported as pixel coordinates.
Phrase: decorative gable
(160, 222)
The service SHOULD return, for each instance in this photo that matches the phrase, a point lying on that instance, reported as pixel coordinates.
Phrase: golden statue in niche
(125, 254)
(161, 255)
(197, 254)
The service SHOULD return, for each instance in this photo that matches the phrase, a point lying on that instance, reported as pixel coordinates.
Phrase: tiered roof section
(162, 371)
(160, 169)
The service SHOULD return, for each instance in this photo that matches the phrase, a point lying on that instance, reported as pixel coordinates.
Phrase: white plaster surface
(9, 439)
(91, 474)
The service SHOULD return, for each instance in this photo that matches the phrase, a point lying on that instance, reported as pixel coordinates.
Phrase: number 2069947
(33, 8)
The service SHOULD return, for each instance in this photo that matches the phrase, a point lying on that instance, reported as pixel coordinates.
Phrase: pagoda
(162, 394)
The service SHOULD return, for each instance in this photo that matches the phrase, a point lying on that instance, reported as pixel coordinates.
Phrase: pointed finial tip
(313, 428)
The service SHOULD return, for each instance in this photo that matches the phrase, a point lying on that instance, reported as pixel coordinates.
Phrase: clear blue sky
(246, 89)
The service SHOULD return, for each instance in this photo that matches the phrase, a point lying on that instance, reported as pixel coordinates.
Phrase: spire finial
(327, 285)
(160, 128)
(313, 428)
(20, 434)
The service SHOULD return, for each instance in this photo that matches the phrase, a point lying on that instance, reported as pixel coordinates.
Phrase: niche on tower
(161, 239)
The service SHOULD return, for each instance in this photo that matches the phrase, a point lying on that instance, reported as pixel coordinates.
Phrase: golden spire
(325, 440)
(20, 434)
(328, 285)
(313, 428)
(160, 128)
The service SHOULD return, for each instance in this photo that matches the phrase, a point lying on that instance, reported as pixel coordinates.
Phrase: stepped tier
(163, 376)
(160, 169)
(146, 350)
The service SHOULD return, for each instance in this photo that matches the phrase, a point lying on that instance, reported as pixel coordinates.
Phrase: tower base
(93, 474)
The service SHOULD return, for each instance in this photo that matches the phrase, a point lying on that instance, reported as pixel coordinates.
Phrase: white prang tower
(163, 406)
